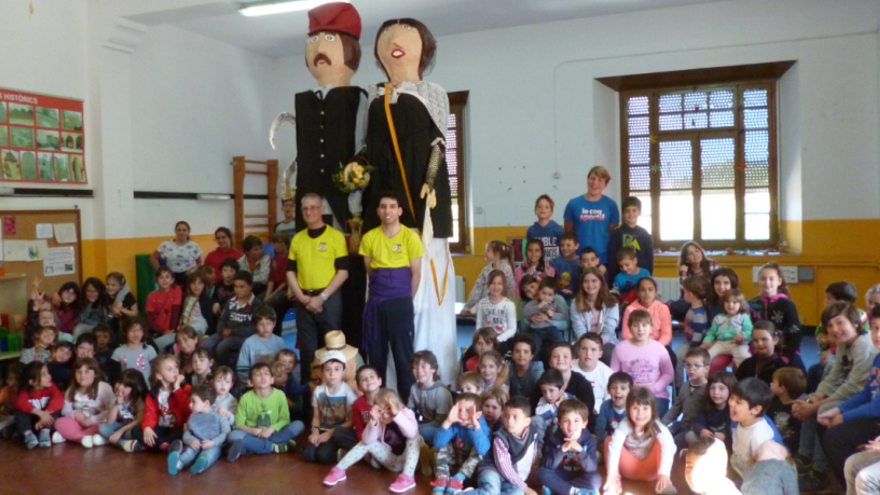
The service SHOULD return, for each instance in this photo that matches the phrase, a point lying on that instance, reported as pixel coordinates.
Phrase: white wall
(535, 108)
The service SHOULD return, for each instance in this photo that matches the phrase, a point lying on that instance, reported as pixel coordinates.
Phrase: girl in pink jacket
(661, 319)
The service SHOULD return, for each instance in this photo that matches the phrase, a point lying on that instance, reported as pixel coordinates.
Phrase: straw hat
(335, 341)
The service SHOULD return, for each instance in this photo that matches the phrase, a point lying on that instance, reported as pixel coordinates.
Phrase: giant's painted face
(400, 49)
(325, 56)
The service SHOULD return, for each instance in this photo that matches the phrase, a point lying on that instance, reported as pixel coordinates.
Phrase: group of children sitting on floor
(530, 408)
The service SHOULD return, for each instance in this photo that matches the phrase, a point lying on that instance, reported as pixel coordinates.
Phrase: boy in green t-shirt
(262, 421)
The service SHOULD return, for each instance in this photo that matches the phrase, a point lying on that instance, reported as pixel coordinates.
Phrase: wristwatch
(324, 296)
(314, 428)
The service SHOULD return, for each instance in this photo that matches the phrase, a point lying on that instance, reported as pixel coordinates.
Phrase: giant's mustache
(320, 57)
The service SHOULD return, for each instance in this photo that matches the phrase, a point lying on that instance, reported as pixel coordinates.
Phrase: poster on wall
(41, 138)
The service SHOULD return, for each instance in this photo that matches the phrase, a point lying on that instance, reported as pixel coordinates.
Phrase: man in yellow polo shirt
(316, 269)
(393, 258)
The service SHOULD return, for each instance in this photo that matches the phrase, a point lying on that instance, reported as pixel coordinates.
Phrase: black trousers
(164, 437)
(24, 422)
(312, 327)
(395, 327)
(843, 440)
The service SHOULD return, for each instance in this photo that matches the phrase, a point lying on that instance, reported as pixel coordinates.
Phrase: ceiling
(284, 34)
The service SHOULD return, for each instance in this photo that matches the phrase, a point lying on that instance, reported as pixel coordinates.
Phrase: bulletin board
(52, 263)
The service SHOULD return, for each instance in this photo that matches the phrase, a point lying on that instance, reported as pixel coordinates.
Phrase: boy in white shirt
(748, 401)
(589, 364)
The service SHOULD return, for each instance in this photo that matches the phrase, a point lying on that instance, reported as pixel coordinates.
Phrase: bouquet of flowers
(352, 177)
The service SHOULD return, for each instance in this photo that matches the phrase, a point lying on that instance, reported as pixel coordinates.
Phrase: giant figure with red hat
(406, 148)
(330, 126)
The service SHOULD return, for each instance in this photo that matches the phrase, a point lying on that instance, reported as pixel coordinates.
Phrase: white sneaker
(87, 442)
(98, 440)
(57, 438)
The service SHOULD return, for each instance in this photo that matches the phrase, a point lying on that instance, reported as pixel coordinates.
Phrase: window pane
(716, 158)
(676, 215)
(639, 151)
(721, 119)
(670, 122)
(757, 201)
(645, 217)
(755, 98)
(721, 99)
(676, 165)
(451, 120)
(640, 178)
(695, 101)
(757, 153)
(696, 121)
(755, 118)
(638, 126)
(758, 227)
(670, 103)
(718, 214)
(637, 105)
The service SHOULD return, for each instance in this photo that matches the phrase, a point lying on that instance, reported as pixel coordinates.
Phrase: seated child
(515, 448)
(689, 399)
(496, 310)
(391, 437)
(540, 313)
(291, 361)
(485, 339)
(263, 346)
(293, 391)
(570, 458)
(127, 413)
(262, 420)
(661, 319)
(255, 262)
(335, 341)
(60, 364)
(166, 407)
(470, 383)
(500, 257)
(205, 433)
(224, 289)
(201, 367)
(766, 359)
(641, 448)
(461, 442)
(331, 410)
(552, 394)
(772, 473)
(629, 275)
(8, 396)
(788, 385)
(225, 404)
(134, 354)
(731, 331)
(185, 344)
(862, 470)
(837, 291)
(44, 339)
(588, 258)
(613, 410)
(696, 322)
(85, 346)
(706, 468)
(39, 403)
(713, 419)
(428, 398)
(369, 384)
(534, 264)
(630, 235)
(561, 359)
(590, 365)
(567, 266)
(494, 370)
(525, 373)
(493, 406)
(103, 350)
(86, 404)
(235, 323)
(644, 358)
(748, 404)
(163, 308)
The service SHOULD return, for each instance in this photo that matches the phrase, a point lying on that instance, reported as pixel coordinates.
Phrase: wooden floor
(70, 469)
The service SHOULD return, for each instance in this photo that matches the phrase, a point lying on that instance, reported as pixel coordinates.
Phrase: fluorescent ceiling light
(253, 10)
(214, 197)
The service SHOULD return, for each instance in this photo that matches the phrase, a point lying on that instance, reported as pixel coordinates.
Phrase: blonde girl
(494, 371)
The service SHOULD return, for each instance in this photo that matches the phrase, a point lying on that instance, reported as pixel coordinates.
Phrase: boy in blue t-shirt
(593, 215)
(613, 410)
(629, 275)
(567, 265)
(545, 229)
(631, 235)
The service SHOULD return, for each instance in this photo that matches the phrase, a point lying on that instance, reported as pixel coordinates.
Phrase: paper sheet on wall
(65, 233)
(44, 231)
(15, 251)
(59, 261)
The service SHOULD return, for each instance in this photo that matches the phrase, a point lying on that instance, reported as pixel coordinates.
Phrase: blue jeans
(491, 483)
(428, 433)
(254, 445)
(189, 455)
(560, 481)
(662, 407)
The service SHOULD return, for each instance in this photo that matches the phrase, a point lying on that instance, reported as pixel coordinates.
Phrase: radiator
(668, 288)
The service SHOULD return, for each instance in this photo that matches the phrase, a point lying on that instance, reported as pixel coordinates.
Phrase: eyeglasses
(692, 366)
(310, 208)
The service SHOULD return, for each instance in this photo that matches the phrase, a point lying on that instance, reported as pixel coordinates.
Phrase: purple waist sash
(385, 284)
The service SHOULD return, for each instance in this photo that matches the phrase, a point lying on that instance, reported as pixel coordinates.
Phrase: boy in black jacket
(570, 460)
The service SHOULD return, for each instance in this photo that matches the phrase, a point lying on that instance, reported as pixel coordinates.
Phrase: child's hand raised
(474, 417)
(571, 445)
(376, 414)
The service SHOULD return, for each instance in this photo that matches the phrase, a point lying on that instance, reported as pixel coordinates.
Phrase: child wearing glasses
(689, 399)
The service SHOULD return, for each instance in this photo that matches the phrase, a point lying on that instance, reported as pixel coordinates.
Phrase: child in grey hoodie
(206, 431)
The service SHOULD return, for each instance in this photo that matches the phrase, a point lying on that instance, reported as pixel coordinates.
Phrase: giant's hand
(429, 194)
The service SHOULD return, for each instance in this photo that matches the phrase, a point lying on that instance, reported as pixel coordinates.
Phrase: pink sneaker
(336, 475)
(404, 482)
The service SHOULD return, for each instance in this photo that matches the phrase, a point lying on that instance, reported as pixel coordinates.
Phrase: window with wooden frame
(702, 158)
(455, 142)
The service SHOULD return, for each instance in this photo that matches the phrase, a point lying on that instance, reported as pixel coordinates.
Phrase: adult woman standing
(181, 254)
(224, 250)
